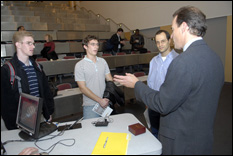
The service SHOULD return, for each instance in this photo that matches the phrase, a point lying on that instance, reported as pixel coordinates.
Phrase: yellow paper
(112, 144)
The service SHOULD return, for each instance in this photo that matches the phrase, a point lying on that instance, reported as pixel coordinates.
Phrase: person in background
(29, 78)
(117, 41)
(188, 98)
(90, 75)
(157, 71)
(21, 28)
(137, 41)
(49, 48)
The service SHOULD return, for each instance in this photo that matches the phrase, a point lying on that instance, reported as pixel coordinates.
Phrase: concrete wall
(149, 14)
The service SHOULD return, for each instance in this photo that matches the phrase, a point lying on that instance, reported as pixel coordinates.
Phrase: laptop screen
(29, 113)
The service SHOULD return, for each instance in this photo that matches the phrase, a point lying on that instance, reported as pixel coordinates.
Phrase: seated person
(49, 48)
(21, 28)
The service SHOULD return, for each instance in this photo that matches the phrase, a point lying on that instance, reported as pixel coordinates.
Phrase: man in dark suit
(117, 41)
(188, 98)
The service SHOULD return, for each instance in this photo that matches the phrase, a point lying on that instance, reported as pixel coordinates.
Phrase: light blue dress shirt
(158, 70)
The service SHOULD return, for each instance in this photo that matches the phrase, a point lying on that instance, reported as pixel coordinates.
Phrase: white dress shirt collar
(190, 42)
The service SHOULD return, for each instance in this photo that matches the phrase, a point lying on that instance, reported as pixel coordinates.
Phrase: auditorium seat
(41, 59)
(121, 53)
(107, 55)
(69, 57)
(64, 86)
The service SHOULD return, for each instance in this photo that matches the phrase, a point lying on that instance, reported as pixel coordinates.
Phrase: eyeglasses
(30, 43)
(93, 44)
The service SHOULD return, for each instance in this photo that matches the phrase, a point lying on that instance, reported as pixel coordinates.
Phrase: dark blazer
(187, 100)
(115, 42)
(10, 96)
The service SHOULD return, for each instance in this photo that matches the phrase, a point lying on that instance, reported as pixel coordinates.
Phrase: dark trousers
(154, 121)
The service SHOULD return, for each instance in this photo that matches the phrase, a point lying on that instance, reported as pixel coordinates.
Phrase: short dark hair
(195, 19)
(120, 29)
(87, 39)
(20, 27)
(163, 31)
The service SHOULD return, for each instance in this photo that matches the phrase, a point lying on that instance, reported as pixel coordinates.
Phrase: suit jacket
(187, 100)
(115, 42)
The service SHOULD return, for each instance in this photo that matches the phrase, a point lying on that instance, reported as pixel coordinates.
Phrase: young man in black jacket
(33, 81)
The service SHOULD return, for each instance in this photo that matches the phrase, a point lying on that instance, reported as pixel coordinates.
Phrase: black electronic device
(29, 118)
(72, 126)
(101, 123)
(68, 127)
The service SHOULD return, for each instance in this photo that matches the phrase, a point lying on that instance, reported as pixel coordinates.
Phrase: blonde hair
(50, 38)
(19, 36)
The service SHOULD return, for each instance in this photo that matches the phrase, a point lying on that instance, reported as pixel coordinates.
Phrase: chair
(64, 86)
(107, 55)
(69, 57)
(139, 74)
(41, 59)
(121, 53)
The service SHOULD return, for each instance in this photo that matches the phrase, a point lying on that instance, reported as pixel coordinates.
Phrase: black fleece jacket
(10, 94)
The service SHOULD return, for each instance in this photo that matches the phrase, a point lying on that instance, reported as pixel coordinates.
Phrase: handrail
(107, 19)
(151, 38)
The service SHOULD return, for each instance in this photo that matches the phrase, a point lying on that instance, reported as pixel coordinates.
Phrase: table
(129, 59)
(70, 101)
(64, 66)
(57, 67)
(87, 136)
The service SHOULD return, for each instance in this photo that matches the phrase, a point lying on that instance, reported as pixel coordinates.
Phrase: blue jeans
(88, 113)
(154, 131)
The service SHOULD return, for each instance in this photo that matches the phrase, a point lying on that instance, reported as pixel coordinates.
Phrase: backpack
(109, 45)
(13, 75)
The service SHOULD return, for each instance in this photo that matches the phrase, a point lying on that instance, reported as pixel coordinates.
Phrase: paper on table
(112, 144)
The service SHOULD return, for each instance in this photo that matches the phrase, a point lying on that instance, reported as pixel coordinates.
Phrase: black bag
(143, 50)
(52, 55)
(53, 88)
(108, 46)
(44, 51)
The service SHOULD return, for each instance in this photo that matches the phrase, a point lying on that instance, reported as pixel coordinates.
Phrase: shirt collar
(89, 60)
(169, 55)
(30, 63)
(190, 42)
